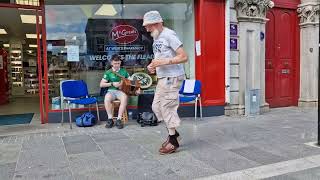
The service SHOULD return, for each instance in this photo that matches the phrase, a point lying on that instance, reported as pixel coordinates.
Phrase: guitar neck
(117, 74)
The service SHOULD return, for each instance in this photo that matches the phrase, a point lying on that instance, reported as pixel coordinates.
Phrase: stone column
(309, 12)
(252, 20)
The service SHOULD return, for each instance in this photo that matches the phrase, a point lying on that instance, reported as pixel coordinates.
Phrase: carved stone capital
(309, 13)
(253, 10)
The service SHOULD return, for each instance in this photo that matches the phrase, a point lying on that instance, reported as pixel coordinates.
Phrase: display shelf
(54, 77)
(16, 79)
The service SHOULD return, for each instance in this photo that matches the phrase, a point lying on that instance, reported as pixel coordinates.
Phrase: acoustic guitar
(129, 87)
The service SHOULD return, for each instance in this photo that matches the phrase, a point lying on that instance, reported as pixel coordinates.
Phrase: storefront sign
(125, 37)
(233, 43)
(73, 53)
(124, 34)
(1, 62)
(127, 57)
(132, 48)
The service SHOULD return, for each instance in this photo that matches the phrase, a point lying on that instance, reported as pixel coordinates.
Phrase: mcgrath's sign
(124, 34)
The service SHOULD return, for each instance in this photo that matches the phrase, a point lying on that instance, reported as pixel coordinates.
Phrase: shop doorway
(21, 72)
(282, 57)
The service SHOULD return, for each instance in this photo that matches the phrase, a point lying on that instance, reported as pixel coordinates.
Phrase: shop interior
(18, 40)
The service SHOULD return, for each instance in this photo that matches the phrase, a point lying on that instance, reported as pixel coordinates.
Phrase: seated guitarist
(114, 82)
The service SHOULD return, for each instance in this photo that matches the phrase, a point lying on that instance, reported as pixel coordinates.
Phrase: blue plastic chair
(194, 96)
(76, 92)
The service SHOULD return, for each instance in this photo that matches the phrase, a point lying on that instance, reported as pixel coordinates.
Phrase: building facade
(250, 55)
(278, 54)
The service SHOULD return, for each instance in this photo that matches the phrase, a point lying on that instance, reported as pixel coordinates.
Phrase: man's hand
(117, 84)
(138, 91)
(151, 69)
(156, 63)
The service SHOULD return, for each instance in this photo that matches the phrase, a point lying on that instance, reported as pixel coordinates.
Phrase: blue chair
(190, 92)
(76, 92)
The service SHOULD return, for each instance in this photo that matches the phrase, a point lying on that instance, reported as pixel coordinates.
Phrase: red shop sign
(124, 34)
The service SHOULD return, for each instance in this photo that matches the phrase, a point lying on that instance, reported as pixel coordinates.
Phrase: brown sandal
(168, 149)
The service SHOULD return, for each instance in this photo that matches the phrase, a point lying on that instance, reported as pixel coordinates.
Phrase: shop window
(81, 39)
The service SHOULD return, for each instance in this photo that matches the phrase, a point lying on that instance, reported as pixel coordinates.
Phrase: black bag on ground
(147, 118)
(145, 103)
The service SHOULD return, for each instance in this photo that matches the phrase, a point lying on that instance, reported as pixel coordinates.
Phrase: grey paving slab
(79, 144)
(43, 143)
(76, 148)
(224, 161)
(292, 151)
(7, 171)
(99, 174)
(145, 169)
(88, 162)
(82, 138)
(185, 165)
(225, 141)
(9, 153)
(258, 155)
(148, 140)
(48, 174)
(42, 158)
(124, 150)
(105, 137)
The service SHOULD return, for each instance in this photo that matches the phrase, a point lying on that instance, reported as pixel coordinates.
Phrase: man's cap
(152, 17)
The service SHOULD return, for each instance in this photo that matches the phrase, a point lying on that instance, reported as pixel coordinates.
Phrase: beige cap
(152, 17)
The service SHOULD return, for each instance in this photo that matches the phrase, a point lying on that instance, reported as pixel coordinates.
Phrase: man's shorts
(116, 94)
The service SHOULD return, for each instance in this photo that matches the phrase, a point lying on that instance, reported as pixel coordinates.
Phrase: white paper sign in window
(198, 48)
(73, 53)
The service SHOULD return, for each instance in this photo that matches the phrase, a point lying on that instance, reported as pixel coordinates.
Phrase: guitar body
(130, 87)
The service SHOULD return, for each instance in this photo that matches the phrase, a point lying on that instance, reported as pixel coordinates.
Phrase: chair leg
(200, 108)
(98, 113)
(195, 109)
(62, 108)
(70, 122)
(125, 116)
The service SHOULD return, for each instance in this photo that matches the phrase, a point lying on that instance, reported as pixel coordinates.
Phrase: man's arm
(181, 57)
(105, 83)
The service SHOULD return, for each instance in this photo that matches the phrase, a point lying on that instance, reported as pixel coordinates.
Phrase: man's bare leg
(108, 107)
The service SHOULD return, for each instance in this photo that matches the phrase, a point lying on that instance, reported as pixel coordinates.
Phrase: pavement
(276, 145)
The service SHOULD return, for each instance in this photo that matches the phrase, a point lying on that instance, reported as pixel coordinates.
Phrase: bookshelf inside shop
(16, 70)
(23, 74)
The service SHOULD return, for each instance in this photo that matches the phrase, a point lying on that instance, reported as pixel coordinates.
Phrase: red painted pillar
(210, 65)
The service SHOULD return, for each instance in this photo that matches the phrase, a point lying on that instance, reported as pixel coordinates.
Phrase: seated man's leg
(109, 97)
(123, 105)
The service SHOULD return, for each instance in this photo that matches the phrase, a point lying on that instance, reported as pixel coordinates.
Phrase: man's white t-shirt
(164, 47)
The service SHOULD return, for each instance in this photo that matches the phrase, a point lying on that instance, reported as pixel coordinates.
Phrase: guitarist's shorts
(115, 94)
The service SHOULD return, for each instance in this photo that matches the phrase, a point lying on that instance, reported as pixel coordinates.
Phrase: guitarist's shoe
(119, 124)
